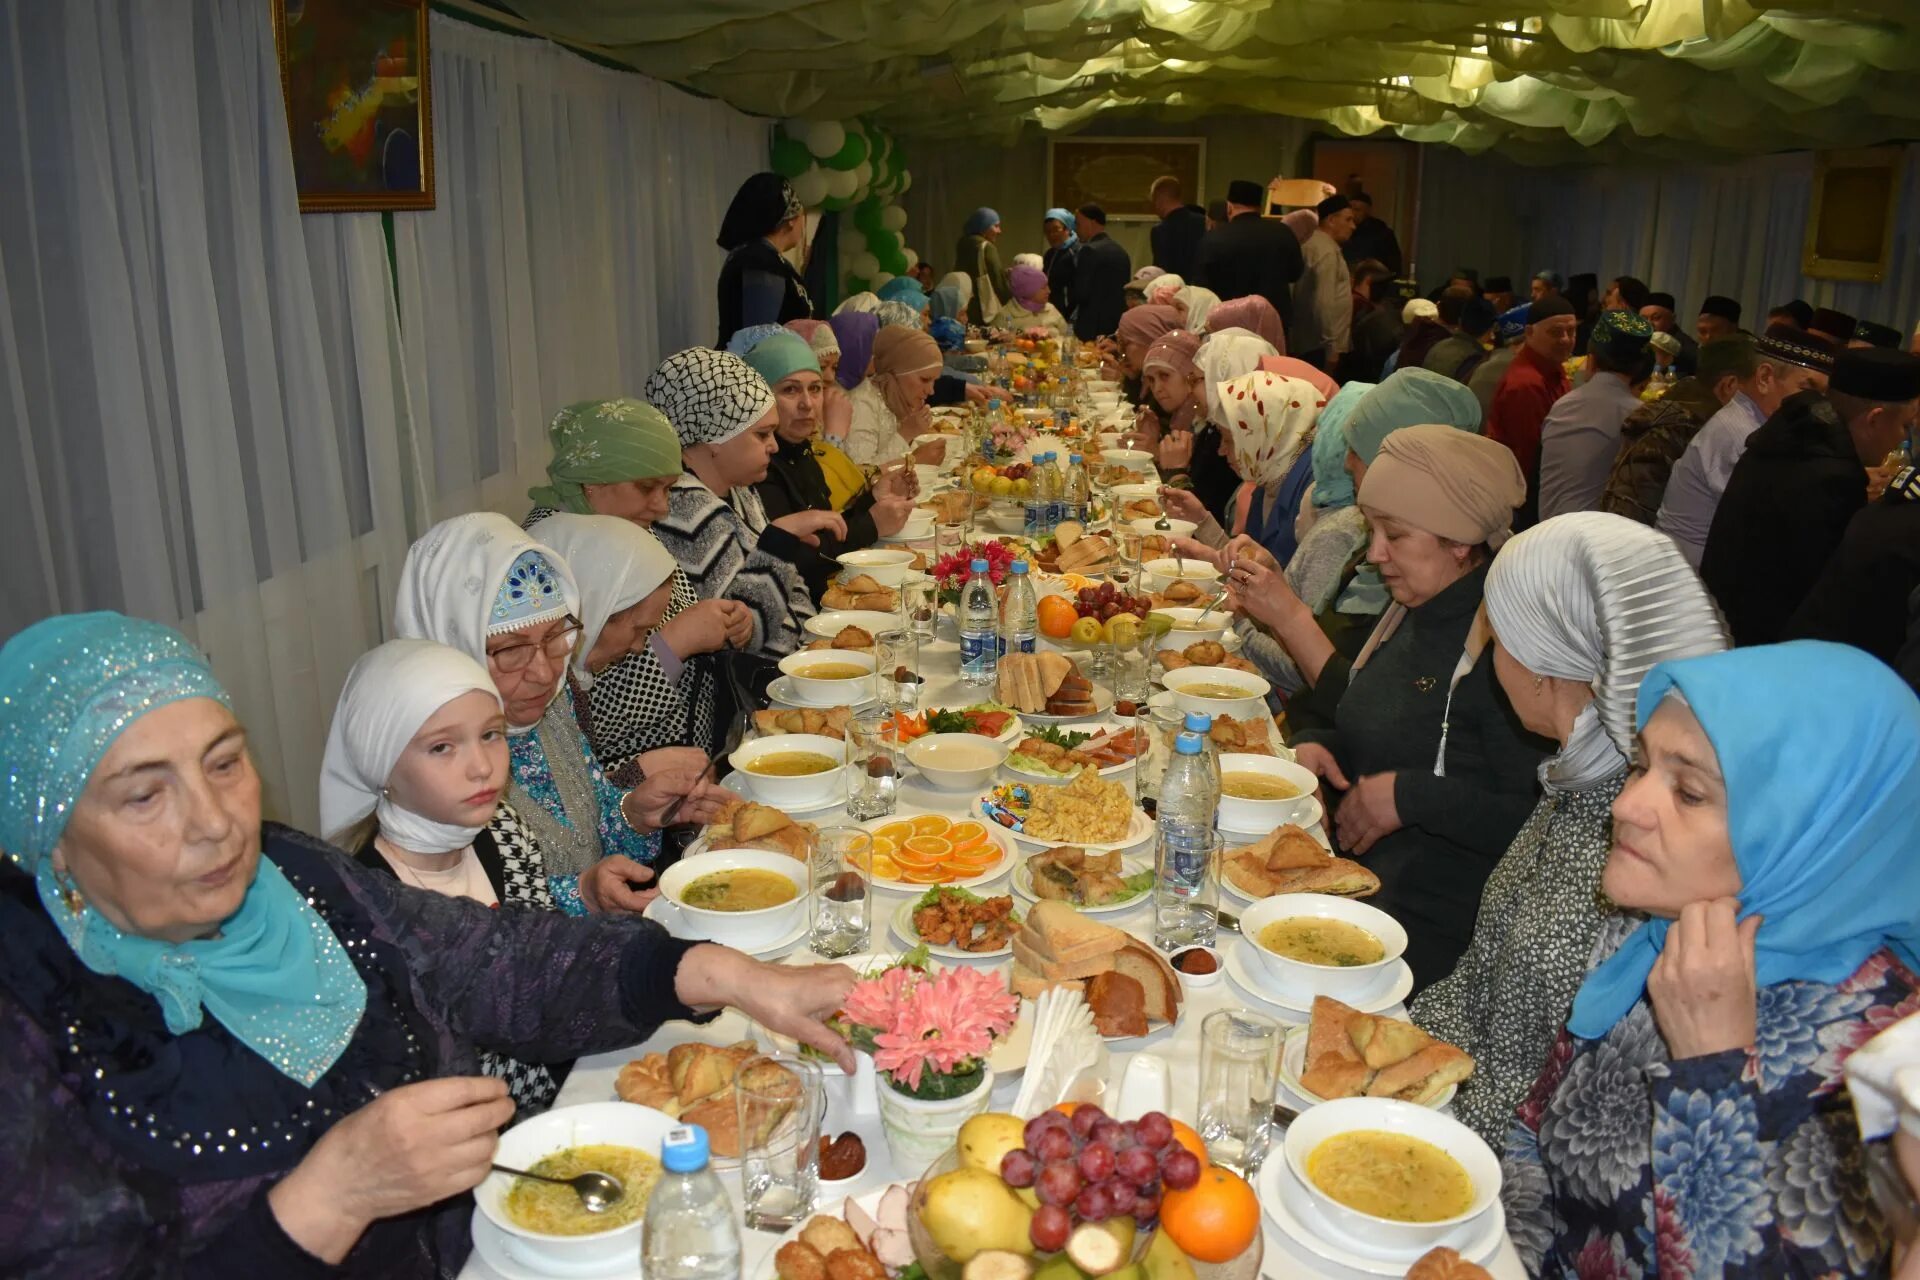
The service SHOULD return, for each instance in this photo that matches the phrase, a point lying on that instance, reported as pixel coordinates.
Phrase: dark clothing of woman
(759, 286)
(1213, 479)
(1454, 827)
(795, 482)
(148, 1153)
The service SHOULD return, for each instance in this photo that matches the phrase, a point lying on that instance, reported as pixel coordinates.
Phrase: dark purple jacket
(131, 1151)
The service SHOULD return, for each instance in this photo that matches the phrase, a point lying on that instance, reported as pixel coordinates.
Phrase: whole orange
(1189, 1137)
(1056, 616)
(1215, 1219)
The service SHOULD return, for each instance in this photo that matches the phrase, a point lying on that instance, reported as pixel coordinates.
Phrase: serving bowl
(1390, 1237)
(1125, 493)
(1150, 525)
(1158, 575)
(1251, 706)
(744, 929)
(918, 528)
(1108, 440)
(830, 691)
(1137, 459)
(1218, 623)
(1238, 813)
(957, 761)
(827, 625)
(620, 1124)
(888, 568)
(1342, 982)
(1009, 516)
(796, 791)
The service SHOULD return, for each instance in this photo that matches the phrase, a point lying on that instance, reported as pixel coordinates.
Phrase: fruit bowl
(960, 1208)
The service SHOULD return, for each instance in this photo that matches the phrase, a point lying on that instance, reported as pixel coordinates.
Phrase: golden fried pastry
(798, 1260)
(829, 1235)
(854, 1264)
(1205, 653)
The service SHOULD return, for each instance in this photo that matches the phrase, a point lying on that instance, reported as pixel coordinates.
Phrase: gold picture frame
(1115, 173)
(355, 76)
(1850, 215)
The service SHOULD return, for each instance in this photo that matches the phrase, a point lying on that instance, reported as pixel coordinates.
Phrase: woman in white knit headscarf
(1581, 608)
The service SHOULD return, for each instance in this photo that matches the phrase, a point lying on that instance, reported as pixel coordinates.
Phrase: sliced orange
(898, 832)
(884, 847)
(931, 824)
(931, 875)
(974, 861)
(967, 835)
(935, 847)
(885, 868)
(912, 861)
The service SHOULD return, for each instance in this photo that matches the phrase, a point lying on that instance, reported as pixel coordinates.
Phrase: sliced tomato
(989, 723)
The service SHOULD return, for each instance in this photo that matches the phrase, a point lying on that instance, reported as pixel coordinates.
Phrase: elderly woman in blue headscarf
(977, 256)
(226, 1049)
(949, 298)
(1059, 261)
(1693, 1118)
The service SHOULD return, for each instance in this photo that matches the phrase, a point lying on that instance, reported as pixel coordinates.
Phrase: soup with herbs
(1247, 785)
(791, 764)
(1205, 690)
(1391, 1175)
(741, 889)
(1316, 940)
(555, 1210)
(834, 671)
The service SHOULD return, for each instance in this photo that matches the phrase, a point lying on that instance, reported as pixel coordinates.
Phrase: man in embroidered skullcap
(1581, 433)
(1509, 330)
(1789, 361)
(1802, 478)
(1870, 333)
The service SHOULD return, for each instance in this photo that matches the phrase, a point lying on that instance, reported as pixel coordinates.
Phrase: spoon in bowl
(598, 1192)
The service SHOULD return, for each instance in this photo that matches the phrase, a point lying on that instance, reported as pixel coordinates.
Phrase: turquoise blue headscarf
(1065, 218)
(980, 221)
(782, 354)
(1819, 745)
(946, 303)
(1332, 486)
(275, 977)
(948, 334)
(1409, 397)
(903, 289)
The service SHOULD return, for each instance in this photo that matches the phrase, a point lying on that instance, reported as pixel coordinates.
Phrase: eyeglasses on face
(518, 657)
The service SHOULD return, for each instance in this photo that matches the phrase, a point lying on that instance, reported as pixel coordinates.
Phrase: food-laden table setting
(967, 795)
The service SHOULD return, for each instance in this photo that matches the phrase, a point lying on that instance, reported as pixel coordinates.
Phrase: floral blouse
(535, 777)
(1622, 1163)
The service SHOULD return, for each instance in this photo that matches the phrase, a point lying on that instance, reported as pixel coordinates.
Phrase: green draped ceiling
(1539, 81)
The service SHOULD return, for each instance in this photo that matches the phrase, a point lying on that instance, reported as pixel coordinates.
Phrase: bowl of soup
(1147, 526)
(744, 898)
(1324, 945)
(1259, 793)
(1158, 575)
(1218, 691)
(551, 1229)
(1133, 459)
(830, 677)
(1392, 1178)
(957, 761)
(888, 568)
(792, 770)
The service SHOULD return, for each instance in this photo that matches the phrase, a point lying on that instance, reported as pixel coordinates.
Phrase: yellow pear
(986, 1138)
(967, 1211)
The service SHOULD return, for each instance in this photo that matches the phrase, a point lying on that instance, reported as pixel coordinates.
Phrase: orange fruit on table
(935, 847)
(967, 835)
(929, 875)
(1056, 616)
(885, 868)
(1189, 1137)
(898, 832)
(1215, 1219)
(975, 861)
(931, 824)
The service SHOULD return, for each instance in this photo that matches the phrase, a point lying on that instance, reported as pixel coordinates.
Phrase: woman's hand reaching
(1183, 504)
(793, 1001)
(809, 525)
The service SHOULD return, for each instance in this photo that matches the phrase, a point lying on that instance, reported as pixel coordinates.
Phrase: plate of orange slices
(912, 852)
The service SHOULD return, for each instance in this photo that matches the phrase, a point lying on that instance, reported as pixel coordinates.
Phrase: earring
(1537, 682)
(70, 893)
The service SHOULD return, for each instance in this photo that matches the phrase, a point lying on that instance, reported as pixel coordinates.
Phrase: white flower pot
(919, 1131)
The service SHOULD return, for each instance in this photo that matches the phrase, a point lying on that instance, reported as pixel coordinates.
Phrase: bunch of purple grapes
(1090, 1167)
(1103, 602)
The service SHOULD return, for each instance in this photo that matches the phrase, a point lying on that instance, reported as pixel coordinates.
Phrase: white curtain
(177, 443)
(573, 248)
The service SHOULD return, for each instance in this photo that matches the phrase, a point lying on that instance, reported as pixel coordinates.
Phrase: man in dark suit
(1100, 275)
(1251, 253)
(1176, 237)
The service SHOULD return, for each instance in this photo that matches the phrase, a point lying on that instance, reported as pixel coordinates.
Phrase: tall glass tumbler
(779, 1101)
(1239, 1063)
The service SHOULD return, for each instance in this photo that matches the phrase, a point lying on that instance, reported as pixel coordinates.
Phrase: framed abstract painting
(359, 102)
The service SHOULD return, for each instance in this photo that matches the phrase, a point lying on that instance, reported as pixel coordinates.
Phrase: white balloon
(864, 172)
(824, 137)
(913, 259)
(878, 278)
(906, 181)
(893, 217)
(841, 183)
(864, 264)
(811, 187)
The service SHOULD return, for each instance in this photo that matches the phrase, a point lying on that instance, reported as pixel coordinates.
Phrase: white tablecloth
(592, 1078)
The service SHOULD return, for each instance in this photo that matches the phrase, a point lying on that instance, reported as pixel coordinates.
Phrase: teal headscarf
(1332, 486)
(904, 289)
(946, 303)
(1823, 838)
(275, 976)
(781, 354)
(1066, 219)
(1409, 397)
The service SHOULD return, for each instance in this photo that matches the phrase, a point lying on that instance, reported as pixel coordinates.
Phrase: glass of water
(896, 653)
(873, 771)
(1239, 1062)
(842, 903)
(780, 1102)
(919, 607)
(1186, 889)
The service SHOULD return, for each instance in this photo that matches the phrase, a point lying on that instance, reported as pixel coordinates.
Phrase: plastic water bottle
(1200, 724)
(1186, 886)
(1019, 614)
(979, 618)
(1036, 501)
(1056, 492)
(1079, 492)
(690, 1232)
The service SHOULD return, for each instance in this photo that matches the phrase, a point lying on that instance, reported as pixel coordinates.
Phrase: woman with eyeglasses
(478, 584)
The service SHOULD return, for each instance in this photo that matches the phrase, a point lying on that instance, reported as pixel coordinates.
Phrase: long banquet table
(592, 1079)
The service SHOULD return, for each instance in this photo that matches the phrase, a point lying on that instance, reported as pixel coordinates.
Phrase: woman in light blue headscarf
(1693, 1116)
(226, 1049)
(949, 298)
(977, 256)
(1059, 261)
(903, 289)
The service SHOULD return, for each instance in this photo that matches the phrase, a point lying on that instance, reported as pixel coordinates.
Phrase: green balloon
(833, 204)
(856, 284)
(866, 216)
(893, 260)
(790, 156)
(881, 242)
(850, 154)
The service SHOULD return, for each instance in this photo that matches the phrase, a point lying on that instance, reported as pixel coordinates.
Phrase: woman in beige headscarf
(1437, 772)
(890, 407)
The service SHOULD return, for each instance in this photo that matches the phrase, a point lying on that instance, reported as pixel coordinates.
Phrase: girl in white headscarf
(478, 584)
(1581, 608)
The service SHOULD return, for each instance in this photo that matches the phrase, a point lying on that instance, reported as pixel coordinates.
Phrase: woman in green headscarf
(619, 458)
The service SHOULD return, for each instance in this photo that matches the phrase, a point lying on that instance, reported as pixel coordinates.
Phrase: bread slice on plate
(1385, 1041)
(1424, 1076)
(1119, 1005)
(1028, 985)
(1055, 931)
(1058, 970)
(1160, 988)
(1334, 1068)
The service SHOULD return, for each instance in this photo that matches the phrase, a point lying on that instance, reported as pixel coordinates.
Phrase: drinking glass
(950, 540)
(779, 1101)
(919, 607)
(1133, 666)
(841, 907)
(873, 773)
(896, 652)
(1239, 1062)
(1186, 890)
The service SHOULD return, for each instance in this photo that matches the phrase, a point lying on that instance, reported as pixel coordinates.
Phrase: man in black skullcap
(1372, 237)
(1802, 479)
(1719, 318)
(1322, 327)
(1659, 311)
(1100, 273)
(1869, 333)
(1498, 291)
(1250, 253)
(1796, 312)
(1835, 326)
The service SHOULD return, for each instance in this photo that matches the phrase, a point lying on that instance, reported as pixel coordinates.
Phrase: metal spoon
(598, 1192)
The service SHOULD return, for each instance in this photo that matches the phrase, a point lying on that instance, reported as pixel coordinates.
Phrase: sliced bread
(1058, 932)
(1159, 984)
(1057, 970)
(1118, 1003)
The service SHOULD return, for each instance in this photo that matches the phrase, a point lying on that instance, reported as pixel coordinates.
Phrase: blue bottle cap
(684, 1150)
(1074, 458)
(979, 565)
(1187, 744)
(1199, 722)
(1018, 566)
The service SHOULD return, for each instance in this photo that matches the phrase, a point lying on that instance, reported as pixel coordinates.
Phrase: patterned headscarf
(1268, 418)
(819, 335)
(856, 330)
(981, 220)
(275, 976)
(1823, 838)
(1332, 486)
(903, 314)
(1027, 282)
(1225, 355)
(1406, 398)
(1289, 367)
(1252, 313)
(617, 564)
(1175, 351)
(762, 203)
(605, 442)
(1600, 599)
(476, 575)
(709, 396)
